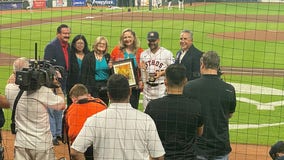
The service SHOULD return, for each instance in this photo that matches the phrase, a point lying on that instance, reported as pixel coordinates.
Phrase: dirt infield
(240, 151)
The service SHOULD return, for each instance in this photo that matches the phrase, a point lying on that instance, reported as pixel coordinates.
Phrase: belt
(153, 84)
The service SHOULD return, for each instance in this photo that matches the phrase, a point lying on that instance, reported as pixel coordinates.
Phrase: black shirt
(177, 119)
(218, 101)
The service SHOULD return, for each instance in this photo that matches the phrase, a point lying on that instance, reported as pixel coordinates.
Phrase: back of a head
(278, 147)
(176, 75)
(118, 87)
(20, 63)
(211, 60)
(78, 90)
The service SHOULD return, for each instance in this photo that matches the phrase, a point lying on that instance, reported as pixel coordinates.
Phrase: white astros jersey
(156, 62)
(153, 63)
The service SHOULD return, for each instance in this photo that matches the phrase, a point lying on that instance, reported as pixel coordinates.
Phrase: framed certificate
(126, 68)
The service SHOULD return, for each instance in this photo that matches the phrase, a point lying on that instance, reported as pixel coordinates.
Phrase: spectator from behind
(218, 103)
(120, 131)
(178, 118)
(277, 151)
(83, 106)
(33, 138)
(18, 65)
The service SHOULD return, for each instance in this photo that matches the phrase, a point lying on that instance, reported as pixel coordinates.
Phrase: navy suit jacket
(53, 52)
(191, 61)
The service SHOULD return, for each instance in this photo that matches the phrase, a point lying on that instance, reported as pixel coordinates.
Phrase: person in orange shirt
(129, 48)
(83, 106)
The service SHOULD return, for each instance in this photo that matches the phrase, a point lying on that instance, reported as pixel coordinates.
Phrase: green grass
(213, 8)
(241, 8)
(227, 8)
(260, 136)
(247, 113)
(38, 14)
(266, 81)
(238, 53)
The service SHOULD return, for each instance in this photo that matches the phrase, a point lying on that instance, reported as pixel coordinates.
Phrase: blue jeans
(225, 157)
(55, 120)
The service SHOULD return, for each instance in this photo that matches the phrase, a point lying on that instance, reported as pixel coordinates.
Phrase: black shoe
(55, 142)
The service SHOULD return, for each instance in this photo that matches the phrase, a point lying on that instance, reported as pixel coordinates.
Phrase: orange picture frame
(126, 68)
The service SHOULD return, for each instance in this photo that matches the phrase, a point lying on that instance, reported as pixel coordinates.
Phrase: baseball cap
(153, 35)
(276, 148)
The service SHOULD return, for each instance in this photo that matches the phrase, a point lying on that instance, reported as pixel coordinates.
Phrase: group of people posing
(187, 105)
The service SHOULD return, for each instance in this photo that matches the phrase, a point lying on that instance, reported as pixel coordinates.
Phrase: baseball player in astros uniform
(154, 62)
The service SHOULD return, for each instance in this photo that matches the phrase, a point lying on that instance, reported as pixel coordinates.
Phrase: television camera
(39, 73)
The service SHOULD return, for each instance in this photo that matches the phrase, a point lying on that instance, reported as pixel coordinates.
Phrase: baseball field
(248, 37)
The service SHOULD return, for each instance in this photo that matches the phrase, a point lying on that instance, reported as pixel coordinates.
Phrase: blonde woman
(96, 69)
(129, 48)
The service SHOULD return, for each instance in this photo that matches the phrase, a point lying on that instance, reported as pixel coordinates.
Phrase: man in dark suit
(57, 51)
(188, 55)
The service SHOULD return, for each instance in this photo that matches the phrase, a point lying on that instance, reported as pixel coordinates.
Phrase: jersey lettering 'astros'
(158, 61)
(154, 63)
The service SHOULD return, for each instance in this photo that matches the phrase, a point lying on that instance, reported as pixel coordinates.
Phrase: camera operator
(18, 65)
(33, 138)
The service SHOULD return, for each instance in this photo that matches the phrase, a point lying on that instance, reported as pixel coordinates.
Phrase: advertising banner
(78, 3)
(6, 5)
(105, 2)
(59, 3)
(39, 4)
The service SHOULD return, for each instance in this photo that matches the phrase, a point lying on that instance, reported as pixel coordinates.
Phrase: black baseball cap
(153, 35)
(276, 148)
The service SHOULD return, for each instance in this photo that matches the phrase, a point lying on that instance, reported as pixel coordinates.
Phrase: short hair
(175, 74)
(20, 63)
(118, 87)
(97, 41)
(75, 39)
(78, 90)
(189, 32)
(211, 60)
(61, 26)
